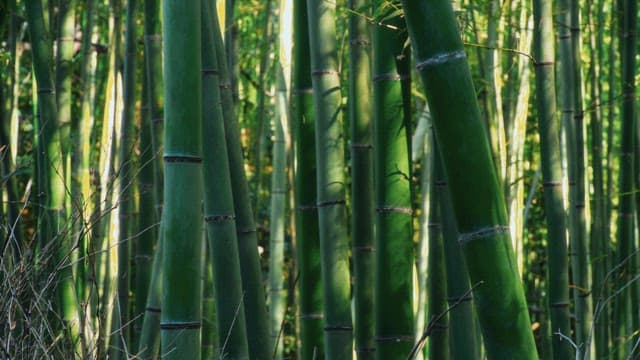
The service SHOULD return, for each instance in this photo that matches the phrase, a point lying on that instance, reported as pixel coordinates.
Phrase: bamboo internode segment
(499, 230)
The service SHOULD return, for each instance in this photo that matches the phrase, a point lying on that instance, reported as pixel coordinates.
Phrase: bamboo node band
(321, 72)
(312, 316)
(483, 233)
(153, 309)
(307, 208)
(365, 350)
(440, 59)
(45, 90)
(543, 63)
(225, 85)
(547, 184)
(183, 159)
(181, 325)
(331, 203)
(246, 231)
(389, 77)
(153, 37)
(364, 249)
(395, 338)
(339, 328)
(560, 304)
(394, 209)
(207, 72)
(219, 218)
(157, 120)
(361, 146)
(359, 41)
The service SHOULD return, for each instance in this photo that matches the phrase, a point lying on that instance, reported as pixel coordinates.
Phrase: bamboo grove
(310, 179)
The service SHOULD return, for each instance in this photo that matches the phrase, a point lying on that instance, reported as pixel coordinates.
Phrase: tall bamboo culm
(334, 250)
(393, 304)
(307, 236)
(255, 304)
(482, 221)
(552, 174)
(182, 215)
(362, 201)
(218, 204)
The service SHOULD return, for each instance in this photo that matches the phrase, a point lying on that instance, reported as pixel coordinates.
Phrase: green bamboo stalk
(437, 279)
(182, 215)
(149, 344)
(147, 222)
(331, 180)
(550, 153)
(65, 40)
(462, 324)
(255, 305)
(626, 246)
(210, 346)
(361, 122)
(153, 71)
(393, 309)
(581, 266)
(598, 239)
(476, 194)
(219, 206)
(310, 282)
(50, 176)
(126, 171)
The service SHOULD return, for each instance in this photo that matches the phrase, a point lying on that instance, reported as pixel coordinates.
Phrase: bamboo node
(395, 338)
(307, 208)
(153, 309)
(543, 63)
(361, 146)
(389, 77)
(315, 316)
(440, 59)
(321, 72)
(207, 72)
(364, 249)
(189, 325)
(246, 231)
(46, 90)
(483, 233)
(182, 159)
(360, 41)
(157, 120)
(365, 350)
(394, 209)
(547, 184)
(153, 37)
(559, 304)
(219, 218)
(225, 85)
(339, 328)
(331, 203)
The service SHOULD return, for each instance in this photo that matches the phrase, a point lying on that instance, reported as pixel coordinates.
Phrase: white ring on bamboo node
(483, 233)
(441, 58)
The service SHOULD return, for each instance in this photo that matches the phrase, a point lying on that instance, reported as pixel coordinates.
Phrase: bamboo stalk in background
(338, 329)
(308, 257)
(552, 173)
(219, 207)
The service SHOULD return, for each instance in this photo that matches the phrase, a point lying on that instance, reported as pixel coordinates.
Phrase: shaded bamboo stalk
(308, 241)
(552, 173)
(362, 201)
(338, 329)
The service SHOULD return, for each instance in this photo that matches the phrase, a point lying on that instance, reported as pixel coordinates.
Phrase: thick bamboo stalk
(149, 344)
(549, 128)
(338, 329)
(393, 304)
(182, 215)
(476, 194)
(361, 127)
(308, 242)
